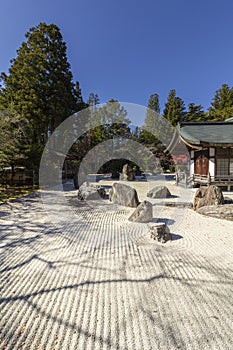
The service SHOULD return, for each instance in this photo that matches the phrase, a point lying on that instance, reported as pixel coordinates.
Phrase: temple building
(210, 145)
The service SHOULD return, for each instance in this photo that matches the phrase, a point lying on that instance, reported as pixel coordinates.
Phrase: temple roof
(207, 133)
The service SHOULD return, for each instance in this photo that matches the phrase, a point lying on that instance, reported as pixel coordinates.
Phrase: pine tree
(195, 113)
(222, 105)
(174, 110)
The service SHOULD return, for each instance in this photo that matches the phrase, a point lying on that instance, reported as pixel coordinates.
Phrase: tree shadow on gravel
(216, 279)
(149, 314)
(3, 214)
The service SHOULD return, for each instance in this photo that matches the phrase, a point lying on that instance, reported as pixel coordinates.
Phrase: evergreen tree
(40, 82)
(93, 100)
(103, 123)
(79, 98)
(11, 136)
(152, 135)
(152, 112)
(195, 113)
(116, 128)
(113, 119)
(174, 110)
(154, 103)
(40, 88)
(222, 105)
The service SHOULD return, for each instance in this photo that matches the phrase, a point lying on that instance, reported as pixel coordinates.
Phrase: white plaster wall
(211, 167)
(191, 163)
(212, 162)
(191, 167)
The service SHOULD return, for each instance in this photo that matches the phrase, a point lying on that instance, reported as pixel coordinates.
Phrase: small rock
(127, 173)
(143, 213)
(123, 195)
(91, 191)
(159, 192)
(160, 232)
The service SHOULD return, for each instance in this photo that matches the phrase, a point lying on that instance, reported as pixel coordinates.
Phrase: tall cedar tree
(152, 112)
(94, 135)
(150, 135)
(222, 105)
(174, 110)
(10, 137)
(40, 82)
(151, 123)
(195, 113)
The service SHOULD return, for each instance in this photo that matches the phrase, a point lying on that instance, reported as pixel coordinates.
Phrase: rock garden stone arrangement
(205, 196)
(91, 191)
(143, 213)
(127, 173)
(127, 196)
(159, 192)
(160, 232)
(123, 195)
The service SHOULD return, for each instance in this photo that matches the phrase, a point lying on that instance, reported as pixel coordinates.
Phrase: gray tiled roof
(207, 133)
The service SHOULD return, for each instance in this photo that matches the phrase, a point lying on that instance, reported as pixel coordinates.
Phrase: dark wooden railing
(183, 179)
(214, 180)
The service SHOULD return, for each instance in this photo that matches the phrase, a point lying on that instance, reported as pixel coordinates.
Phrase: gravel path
(102, 283)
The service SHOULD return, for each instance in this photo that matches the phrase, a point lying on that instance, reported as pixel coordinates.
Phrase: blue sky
(129, 49)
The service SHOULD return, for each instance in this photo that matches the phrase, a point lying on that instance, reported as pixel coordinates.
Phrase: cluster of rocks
(210, 201)
(127, 196)
(207, 201)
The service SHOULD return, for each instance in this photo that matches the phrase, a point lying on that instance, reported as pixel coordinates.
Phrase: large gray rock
(143, 212)
(160, 232)
(211, 195)
(127, 173)
(123, 195)
(159, 192)
(91, 191)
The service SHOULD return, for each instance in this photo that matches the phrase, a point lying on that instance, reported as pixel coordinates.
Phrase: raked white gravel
(103, 283)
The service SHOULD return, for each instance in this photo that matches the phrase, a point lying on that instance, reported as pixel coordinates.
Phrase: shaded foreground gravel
(102, 283)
